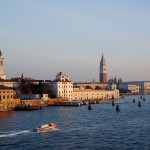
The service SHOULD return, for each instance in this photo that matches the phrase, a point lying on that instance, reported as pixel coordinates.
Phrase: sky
(42, 37)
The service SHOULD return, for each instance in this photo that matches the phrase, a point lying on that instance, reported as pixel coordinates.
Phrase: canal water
(101, 128)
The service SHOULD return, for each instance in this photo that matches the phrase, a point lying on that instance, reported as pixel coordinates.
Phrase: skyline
(41, 38)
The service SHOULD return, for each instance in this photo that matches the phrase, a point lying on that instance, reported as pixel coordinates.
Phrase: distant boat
(45, 127)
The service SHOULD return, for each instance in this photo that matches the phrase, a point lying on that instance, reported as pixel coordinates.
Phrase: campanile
(103, 71)
(2, 75)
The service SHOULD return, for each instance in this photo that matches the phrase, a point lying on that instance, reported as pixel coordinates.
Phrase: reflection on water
(79, 128)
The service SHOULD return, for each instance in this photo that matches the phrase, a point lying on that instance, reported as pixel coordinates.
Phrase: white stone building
(95, 94)
(10, 83)
(63, 86)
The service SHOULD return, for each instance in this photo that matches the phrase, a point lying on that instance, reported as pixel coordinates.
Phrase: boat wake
(13, 133)
(17, 133)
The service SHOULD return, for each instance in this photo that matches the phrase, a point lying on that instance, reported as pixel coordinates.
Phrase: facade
(13, 83)
(144, 86)
(7, 101)
(10, 83)
(2, 75)
(95, 94)
(130, 87)
(62, 86)
(103, 71)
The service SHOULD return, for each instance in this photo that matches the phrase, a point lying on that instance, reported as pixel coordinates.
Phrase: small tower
(103, 71)
(2, 75)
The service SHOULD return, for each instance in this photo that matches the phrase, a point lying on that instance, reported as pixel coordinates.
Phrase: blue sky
(43, 37)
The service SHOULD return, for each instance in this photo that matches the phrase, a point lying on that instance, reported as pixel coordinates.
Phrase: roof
(91, 90)
(2, 87)
(58, 80)
(7, 80)
(103, 61)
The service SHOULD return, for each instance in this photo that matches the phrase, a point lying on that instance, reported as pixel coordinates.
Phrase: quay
(72, 103)
(27, 107)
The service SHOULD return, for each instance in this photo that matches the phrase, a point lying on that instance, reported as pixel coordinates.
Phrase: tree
(27, 87)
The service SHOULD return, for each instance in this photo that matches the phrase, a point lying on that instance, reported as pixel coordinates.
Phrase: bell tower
(2, 75)
(103, 71)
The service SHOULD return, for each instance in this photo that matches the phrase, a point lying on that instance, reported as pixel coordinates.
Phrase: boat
(45, 127)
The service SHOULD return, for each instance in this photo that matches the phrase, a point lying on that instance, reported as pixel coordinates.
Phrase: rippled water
(101, 128)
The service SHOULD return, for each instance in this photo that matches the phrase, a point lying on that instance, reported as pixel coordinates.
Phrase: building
(7, 101)
(62, 86)
(132, 88)
(2, 75)
(103, 71)
(10, 83)
(144, 86)
(95, 94)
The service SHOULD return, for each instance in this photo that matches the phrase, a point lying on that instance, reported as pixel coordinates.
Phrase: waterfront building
(2, 75)
(132, 88)
(15, 82)
(7, 101)
(103, 70)
(144, 86)
(62, 86)
(10, 83)
(95, 94)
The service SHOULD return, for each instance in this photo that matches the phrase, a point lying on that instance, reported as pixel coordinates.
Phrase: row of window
(6, 97)
(88, 98)
(7, 103)
(65, 91)
(12, 83)
(89, 94)
(6, 91)
(146, 85)
(65, 95)
(65, 82)
(66, 86)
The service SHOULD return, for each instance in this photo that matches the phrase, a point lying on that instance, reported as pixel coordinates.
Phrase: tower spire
(2, 75)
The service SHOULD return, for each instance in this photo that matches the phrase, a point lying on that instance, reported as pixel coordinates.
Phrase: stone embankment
(38, 104)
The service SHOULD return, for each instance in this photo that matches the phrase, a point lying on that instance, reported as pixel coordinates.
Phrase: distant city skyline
(41, 38)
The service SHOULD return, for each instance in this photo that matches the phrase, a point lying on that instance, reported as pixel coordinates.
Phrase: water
(101, 128)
